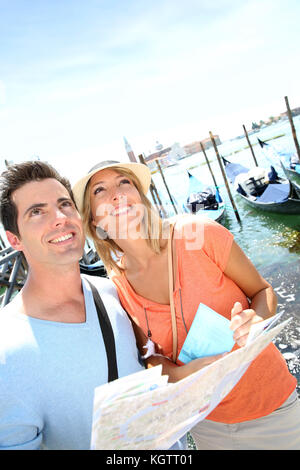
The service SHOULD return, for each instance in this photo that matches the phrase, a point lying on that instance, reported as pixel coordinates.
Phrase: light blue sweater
(49, 370)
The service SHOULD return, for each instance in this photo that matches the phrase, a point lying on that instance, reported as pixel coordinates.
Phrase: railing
(13, 272)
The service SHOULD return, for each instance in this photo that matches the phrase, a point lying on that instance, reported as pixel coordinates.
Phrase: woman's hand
(241, 322)
(176, 372)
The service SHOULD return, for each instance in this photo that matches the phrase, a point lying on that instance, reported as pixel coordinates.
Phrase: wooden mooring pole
(153, 190)
(165, 183)
(208, 164)
(249, 143)
(292, 126)
(224, 177)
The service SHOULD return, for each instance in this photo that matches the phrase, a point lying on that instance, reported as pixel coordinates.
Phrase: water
(271, 241)
(265, 237)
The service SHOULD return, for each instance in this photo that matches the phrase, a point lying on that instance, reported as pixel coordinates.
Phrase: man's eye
(35, 211)
(67, 204)
(125, 181)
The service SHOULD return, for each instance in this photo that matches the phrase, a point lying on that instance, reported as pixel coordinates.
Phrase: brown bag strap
(171, 288)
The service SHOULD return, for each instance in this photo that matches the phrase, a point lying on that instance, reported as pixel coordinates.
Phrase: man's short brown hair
(14, 178)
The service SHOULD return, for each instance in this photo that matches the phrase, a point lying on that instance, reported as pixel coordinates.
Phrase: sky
(76, 76)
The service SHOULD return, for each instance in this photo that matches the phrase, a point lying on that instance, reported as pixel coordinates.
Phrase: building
(168, 156)
(195, 147)
(161, 154)
(129, 151)
(295, 112)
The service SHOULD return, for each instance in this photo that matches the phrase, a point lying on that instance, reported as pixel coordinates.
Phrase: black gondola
(203, 200)
(289, 163)
(263, 189)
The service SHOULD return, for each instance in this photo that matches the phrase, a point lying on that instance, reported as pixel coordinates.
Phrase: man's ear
(14, 241)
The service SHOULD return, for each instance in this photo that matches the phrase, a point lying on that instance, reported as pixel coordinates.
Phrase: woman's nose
(117, 194)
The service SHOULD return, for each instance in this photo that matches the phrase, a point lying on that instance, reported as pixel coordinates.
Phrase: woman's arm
(174, 371)
(260, 293)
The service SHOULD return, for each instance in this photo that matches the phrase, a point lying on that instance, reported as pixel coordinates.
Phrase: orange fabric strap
(171, 288)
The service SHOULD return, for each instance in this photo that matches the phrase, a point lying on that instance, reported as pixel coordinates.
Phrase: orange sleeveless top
(202, 252)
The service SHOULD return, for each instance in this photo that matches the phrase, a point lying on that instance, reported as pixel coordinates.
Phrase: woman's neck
(137, 253)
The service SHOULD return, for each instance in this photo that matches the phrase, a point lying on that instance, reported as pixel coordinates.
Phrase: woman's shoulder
(187, 220)
(198, 232)
(190, 225)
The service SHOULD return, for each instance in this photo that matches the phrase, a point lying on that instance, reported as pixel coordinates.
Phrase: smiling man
(52, 351)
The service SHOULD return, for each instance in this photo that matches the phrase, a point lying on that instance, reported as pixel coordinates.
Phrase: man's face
(49, 225)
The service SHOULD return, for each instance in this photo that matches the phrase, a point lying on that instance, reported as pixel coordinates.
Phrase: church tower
(129, 151)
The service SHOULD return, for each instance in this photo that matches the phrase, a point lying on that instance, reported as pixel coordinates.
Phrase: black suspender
(107, 334)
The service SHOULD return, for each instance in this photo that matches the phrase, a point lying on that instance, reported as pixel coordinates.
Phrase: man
(52, 353)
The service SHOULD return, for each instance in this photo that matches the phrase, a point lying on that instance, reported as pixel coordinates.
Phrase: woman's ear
(14, 241)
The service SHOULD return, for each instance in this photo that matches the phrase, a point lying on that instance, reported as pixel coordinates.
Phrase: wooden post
(292, 126)
(225, 179)
(249, 143)
(153, 190)
(208, 164)
(165, 183)
(155, 196)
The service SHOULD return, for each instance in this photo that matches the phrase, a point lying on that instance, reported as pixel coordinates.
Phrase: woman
(262, 411)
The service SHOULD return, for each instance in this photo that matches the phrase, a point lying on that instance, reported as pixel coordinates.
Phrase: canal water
(271, 241)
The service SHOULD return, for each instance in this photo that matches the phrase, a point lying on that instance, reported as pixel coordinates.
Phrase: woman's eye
(124, 181)
(99, 189)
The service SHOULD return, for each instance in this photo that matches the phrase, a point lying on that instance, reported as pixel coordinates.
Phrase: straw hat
(140, 170)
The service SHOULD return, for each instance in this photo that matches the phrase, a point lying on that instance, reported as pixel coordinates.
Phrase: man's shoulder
(8, 313)
(109, 295)
(102, 284)
(15, 331)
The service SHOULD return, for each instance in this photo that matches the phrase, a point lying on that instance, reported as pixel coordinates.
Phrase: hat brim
(140, 170)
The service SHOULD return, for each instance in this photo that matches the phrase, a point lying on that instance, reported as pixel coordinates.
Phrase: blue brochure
(209, 335)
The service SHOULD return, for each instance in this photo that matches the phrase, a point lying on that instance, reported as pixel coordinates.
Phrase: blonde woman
(262, 411)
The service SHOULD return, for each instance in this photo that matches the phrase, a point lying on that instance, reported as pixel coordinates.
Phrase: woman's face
(116, 204)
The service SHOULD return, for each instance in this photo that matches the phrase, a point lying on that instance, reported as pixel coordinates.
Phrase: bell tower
(129, 151)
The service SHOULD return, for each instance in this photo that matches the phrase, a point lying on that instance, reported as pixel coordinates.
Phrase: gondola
(263, 188)
(90, 262)
(94, 269)
(203, 200)
(289, 163)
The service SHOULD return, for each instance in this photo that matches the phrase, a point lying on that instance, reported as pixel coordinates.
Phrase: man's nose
(59, 217)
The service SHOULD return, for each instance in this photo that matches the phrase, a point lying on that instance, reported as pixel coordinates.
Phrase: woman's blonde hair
(108, 251)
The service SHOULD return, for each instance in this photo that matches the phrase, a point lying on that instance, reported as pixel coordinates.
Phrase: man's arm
(16, 432)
